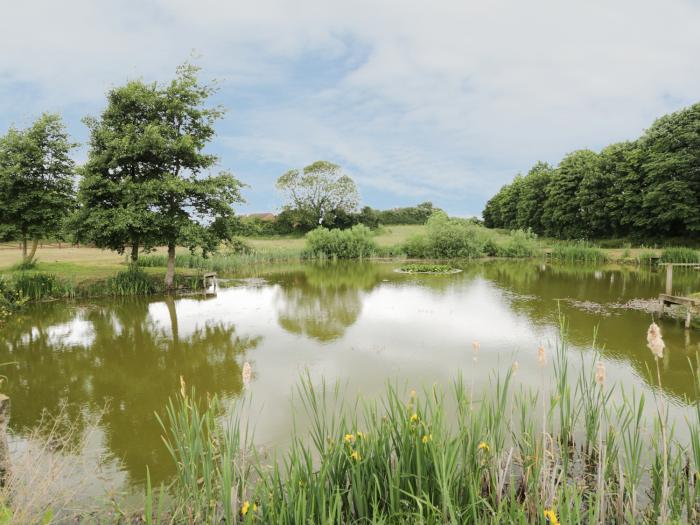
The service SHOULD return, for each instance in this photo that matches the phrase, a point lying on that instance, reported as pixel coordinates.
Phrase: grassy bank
(568, 452)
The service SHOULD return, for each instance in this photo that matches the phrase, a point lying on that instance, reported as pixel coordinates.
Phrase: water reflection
(359, 323)
(125, 355)
(323, 300)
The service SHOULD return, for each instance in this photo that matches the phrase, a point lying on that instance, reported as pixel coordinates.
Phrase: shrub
(355, 243)
(10, 299)
(520, 243)
(448, 238)
(680, 255)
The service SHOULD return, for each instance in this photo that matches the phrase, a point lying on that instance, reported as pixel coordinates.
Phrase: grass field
(92, 263)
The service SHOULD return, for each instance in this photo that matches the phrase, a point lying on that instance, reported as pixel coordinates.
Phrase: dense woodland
(643, 189)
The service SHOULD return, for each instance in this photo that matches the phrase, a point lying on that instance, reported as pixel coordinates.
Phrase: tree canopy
(645, 189)
(318, 190)
(147, 182)
(36, 181)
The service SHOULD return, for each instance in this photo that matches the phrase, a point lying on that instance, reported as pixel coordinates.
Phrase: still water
(358, 323)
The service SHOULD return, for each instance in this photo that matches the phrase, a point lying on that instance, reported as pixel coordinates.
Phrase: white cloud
(438, 98)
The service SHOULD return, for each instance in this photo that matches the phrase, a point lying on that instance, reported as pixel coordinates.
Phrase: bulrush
(247, 373)
(654, 340)
(600, 373)
(475, 349)
(541, 358)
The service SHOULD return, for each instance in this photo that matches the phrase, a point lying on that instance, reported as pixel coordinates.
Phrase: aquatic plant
(403, 460)
(577, 252)
(426, 268)
(680, 255)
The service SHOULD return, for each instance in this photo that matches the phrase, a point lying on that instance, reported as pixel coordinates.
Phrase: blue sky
(442, 101)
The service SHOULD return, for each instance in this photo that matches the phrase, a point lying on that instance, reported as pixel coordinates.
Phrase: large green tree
(671, 170)
(531, 196)
(115, 212)
(317, 190)
(562, 213)
(147, 181)
(36, 181)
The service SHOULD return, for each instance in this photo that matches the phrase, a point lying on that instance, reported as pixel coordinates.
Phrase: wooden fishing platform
(211, 276)
(691, 304)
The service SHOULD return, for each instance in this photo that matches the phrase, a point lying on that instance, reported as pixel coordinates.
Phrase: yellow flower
(349, 438)
(245, 508)
(427, 438)
(414, 418)
(361, 435)
(483, 446)
(355, 455)
(551, 517)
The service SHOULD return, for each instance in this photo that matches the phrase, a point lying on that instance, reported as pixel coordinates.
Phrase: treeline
(296, 220)
(644, 189)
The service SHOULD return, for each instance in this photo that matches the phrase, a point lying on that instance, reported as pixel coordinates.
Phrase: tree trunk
(134, 252)
(24, 248)
(172, 311)
(29, 258)
(170, 274)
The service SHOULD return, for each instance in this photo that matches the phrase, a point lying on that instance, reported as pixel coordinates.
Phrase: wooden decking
(691, 304)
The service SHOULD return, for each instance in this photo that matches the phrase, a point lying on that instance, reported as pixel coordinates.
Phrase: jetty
(691, 304)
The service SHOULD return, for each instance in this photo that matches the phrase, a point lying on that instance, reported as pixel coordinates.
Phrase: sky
(436, 100)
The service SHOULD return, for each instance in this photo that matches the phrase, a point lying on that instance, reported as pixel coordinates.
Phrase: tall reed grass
(680, 255)
(578, 252)
(37, 286)
(569, 452)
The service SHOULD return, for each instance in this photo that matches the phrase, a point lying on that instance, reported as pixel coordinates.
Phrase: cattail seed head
(655, 341)
(247, 373)
(541, 357)
(600, 373)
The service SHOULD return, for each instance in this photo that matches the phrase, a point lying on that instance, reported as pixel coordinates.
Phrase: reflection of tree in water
(323, 300)
(128, 362)
(541, 290)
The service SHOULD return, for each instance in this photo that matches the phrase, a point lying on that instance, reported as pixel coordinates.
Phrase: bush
(448, 238)
(354, 243)
(680, 255)
(10, 299)
(520, 243)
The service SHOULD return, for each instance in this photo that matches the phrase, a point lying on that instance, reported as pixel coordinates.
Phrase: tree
(562, 210)
(671, 171)
(36, 181)
(145, 182)
(531, 195)
(318, 189)
(115, 213)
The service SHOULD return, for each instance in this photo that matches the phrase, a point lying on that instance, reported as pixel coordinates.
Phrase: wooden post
(669, 279)
(687, 317)
(4, 447)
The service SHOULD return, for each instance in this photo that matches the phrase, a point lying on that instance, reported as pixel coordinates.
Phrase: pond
(359, 323)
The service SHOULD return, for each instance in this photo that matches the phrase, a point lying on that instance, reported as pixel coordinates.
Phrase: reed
(680, 255)
(442, 456)
(578, 252)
